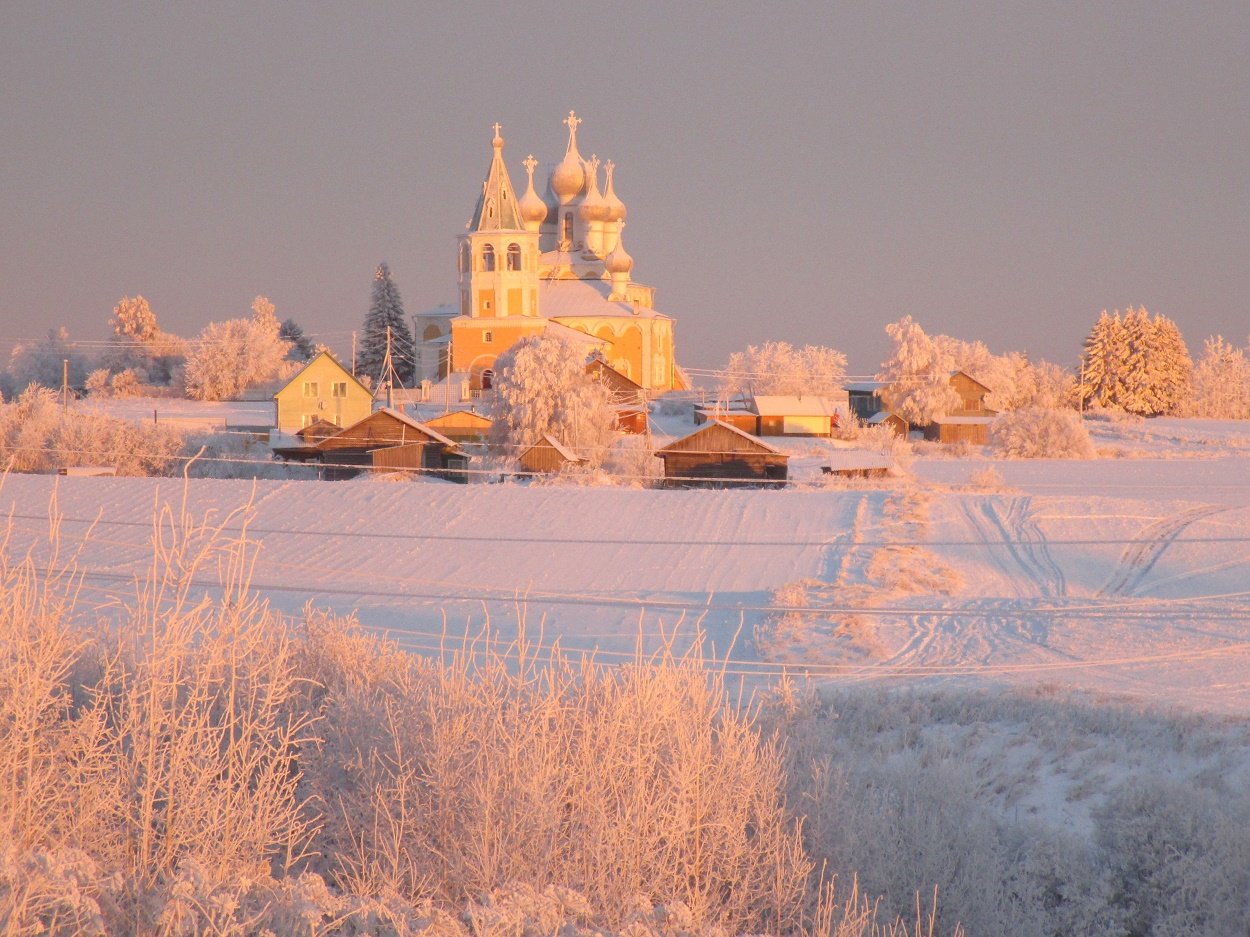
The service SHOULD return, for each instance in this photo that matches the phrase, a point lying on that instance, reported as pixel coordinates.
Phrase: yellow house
(321, 390)
(538, 263)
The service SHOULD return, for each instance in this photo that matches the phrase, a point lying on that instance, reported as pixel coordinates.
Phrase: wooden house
(548, 456)
(322, 390)
(972, 395)
(794, 415)
(717, 454)
(864, 398)
(386, 440)
(462, 425)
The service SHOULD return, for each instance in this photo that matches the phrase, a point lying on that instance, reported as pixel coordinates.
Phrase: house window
(488, 379)
(514, 256)
(488, 336)
(309, 419)
(488, 258)
(310, 388)
(338, 389)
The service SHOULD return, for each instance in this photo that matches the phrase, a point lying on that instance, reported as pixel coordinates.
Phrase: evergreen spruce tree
(1173, 370)
(301, 348)
(386, 309)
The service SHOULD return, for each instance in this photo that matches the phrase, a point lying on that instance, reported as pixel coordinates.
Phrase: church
(552, 262)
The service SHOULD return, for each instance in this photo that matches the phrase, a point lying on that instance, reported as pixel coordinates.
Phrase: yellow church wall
(470, 344)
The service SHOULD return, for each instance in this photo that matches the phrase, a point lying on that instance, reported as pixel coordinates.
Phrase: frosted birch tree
(140, 345)
(918, 375)
(541, 386)
(1221, 382)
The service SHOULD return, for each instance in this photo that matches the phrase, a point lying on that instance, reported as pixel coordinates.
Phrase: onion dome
(533, 209)
(618, 261)
(594, 208)
(569, 178)
(616, 208)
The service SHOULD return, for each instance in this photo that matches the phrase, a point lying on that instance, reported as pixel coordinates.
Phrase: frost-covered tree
(231, 356)
(386, 310)
(541, 386)
(1220, 387)
(918, 373)
(780, 368)
(301, 347)
(1135, 363)
(140, 345)
(43, 363)
(1013, 380)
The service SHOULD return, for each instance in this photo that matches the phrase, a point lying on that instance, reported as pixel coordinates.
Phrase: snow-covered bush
(780, 368)
(35, 436)
(43, 363)
(1034, 433)
(541, 386)
(632, 461)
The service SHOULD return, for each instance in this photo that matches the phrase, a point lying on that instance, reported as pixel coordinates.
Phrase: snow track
(1016, 542)
(1140, 558)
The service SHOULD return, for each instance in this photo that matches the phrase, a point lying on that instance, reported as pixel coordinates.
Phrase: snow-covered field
(1125, 575)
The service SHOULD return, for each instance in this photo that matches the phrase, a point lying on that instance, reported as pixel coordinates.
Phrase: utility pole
(353, 353)
(64, 386)
(388, 369)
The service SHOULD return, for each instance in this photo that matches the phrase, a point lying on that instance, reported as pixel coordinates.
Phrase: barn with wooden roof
(717, 455)
(547, 456)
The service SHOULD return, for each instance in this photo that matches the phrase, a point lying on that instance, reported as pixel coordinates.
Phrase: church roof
(497, 208)
(568, 298)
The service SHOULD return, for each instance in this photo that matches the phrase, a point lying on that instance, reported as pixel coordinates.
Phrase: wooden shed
(892, 420)
(548, 456)
(974, 430)
(462, 425)
(739, 417)
(717, 454)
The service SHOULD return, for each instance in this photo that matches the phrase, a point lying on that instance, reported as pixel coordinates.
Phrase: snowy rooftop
(963, 420)
(566, 298)
(771, 405)
(865, 386)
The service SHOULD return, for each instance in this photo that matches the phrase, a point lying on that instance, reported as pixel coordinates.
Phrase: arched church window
(514, 256)
(488, 258)
(488, 379)
(566, 232)
(464, 258)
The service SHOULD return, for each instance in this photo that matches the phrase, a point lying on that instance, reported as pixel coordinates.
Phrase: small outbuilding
(717, 455)
(892, 420)
(548, 456)
(858, 463)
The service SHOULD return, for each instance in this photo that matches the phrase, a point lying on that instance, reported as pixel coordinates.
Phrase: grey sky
(805, 172)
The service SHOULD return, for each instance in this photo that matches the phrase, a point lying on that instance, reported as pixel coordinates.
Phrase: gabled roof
(971, 378)
(333, 360)
(554, 443)
(775, 405)
(675, 445)
(348, 432)
(452, 415)
(882, 416)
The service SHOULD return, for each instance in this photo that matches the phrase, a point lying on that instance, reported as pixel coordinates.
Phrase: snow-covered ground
(1126, 575)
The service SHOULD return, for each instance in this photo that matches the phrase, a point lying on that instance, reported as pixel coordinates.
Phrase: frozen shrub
(1041, 434)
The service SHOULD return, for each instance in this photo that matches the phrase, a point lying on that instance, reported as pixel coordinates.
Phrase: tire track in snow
(1024, 543)
(1139, 558)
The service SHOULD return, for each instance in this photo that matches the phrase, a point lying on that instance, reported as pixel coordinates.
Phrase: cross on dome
(498, 127)
(530, 163)
(572, 121)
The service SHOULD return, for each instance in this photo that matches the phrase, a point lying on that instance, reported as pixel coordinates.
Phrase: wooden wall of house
(409, 456)
(740, 419)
